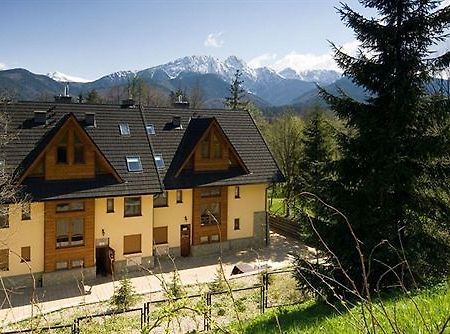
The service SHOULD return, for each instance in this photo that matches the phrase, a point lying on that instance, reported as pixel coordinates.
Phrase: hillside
(423, 312)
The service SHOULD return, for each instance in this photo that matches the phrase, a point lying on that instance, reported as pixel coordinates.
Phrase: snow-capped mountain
(61, 77)
(318, 76)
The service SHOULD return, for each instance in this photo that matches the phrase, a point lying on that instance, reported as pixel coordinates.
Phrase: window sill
(127, 255)
(131, 216)
(162, 206)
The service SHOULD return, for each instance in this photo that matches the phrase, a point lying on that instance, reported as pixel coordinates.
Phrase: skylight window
(150, 129)
(124, 129)
(134, 164)
(159, 161)
(2, 167)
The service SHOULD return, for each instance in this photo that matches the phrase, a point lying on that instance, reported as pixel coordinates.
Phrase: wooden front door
(185, 236)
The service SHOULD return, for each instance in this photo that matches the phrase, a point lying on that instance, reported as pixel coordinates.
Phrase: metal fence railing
(200, 312)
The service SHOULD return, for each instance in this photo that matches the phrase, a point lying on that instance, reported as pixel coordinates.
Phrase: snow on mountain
(319, 76)
(58, 76)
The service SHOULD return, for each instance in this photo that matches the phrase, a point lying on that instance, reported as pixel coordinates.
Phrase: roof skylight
(150, 128)
(134, 164)
(159, 161)
(124, 129)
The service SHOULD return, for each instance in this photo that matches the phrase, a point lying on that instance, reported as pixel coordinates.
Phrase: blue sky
(92, 38)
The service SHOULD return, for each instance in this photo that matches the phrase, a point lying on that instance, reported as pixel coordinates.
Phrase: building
(110, 187)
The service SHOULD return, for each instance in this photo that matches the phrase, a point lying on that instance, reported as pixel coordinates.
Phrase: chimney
(66, 98)
(89, 119)
(176, 122)
(128, 103)
(181, 104)
(40, 117)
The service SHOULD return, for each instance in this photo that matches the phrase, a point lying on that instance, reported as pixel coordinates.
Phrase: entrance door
(104, 259)
(185, 236)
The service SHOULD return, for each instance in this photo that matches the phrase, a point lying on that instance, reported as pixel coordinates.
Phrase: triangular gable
(196, 132)
(51, 138)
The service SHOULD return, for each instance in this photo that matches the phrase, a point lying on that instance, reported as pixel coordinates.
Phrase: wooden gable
(70, 154)
(212, 152)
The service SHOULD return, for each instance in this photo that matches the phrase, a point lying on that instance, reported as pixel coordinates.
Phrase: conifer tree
(393, 181)
(236, 100)
(319, 150)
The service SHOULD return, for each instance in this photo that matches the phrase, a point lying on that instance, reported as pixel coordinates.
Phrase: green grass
(423, 312)
(277, 206)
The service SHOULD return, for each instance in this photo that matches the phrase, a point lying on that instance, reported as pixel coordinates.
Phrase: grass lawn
(402, 313)
(277, 206)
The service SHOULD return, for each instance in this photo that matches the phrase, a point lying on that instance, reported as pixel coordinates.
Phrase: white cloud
(262, 60)
(302, 62)
(214, 40)
(2, 66)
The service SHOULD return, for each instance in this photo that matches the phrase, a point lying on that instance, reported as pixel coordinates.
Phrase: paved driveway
(16, 305)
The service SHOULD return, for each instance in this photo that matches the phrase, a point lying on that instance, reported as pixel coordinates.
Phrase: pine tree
(236, 100)
(393, 177)
(315, 174)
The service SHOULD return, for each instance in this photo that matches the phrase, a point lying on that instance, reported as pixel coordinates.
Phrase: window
(78, 151)
(69, 207)
(134, 164)
(25, 254)
(216, 147)
(160, 200)
(215, 238)
(4, 259)
(4, 219)
(61, 265)
(160, 235)
(159, 161)
(205, 148)
(210, 192)
(204, 239)
(61, 151)
(26, 211)
(150, 129)
(69, 232)
(109, 205)
(77, 263)
(132, 206)
(124, 129)
(237, 224)
(210, 213)
(179, 196)
(132, 244)
(237, 192)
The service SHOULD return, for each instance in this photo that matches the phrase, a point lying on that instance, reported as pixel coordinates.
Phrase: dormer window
(124, 129)
(150, 129)
(134, 164)
(216, 147)
(159, 161)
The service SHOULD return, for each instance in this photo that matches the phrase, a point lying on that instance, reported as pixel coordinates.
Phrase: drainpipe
(267, 215)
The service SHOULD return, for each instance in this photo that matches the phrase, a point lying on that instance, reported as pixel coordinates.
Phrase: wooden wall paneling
(84, 252)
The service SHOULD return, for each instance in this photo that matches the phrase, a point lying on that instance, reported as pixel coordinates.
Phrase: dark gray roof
(31, 139)
(238, 127)
(174, 144)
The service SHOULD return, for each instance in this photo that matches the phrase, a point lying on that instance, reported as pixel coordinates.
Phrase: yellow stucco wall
(252, 199)
(116, 226)
(174, 215)
(23, 233)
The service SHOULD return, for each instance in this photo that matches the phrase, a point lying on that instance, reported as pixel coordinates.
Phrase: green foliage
(284, 137)
(425, 312)
(93, 97)
(392, 179)
(236, 100)
(219, 283)
(124, 295)
(174, 288)
(315, 164)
